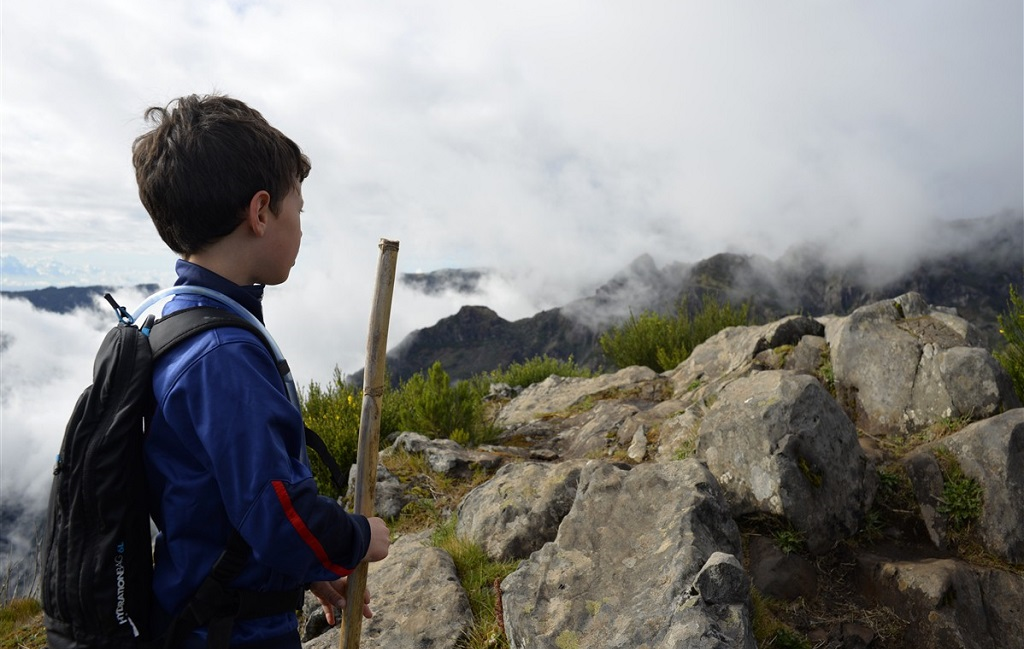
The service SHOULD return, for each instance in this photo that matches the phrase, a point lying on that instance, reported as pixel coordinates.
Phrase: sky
(553, 142)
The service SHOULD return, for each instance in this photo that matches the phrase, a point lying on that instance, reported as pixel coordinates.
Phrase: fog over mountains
(49, 336)
(968, 265)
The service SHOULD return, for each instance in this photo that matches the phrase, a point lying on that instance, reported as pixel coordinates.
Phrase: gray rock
(622, 571)
(446, 456)
(595, 432)
(730, 353)
(389, 496)
(520, 509)
(990, 452)
(558, 393)
(678, 435)
(906, 366)
(806, 357)
(779, 444)
(416, 598)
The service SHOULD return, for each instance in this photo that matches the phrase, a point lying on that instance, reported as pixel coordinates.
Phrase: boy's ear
(258, 212)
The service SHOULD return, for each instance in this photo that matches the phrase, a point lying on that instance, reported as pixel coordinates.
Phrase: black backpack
(97, 560)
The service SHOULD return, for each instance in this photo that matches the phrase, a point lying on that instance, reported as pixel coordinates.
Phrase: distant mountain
(975, 265)
(476, 340)
(67, 299)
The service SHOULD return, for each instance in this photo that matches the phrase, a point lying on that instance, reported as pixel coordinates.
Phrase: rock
(595, 432)
(779, 444)
(991, 452)
(677, 438)
(446, 456)
(558, 393)
(906, 366)
(807, 356)
(722, 580)
(520, 509)
(623, 569)
(947, 603)
(730, 353)
(416, 598)
(389, 496)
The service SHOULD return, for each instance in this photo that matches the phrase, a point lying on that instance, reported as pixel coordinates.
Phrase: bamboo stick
(369, 429)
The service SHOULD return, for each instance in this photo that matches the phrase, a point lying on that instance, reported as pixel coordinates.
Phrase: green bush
(1011, 355)
(661, 342)
(535, 370)
(432, 405)
(333, 412)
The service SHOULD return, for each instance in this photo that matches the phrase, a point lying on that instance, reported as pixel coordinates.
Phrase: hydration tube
(238, 309)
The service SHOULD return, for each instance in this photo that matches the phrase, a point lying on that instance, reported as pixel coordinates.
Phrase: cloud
(552, 141)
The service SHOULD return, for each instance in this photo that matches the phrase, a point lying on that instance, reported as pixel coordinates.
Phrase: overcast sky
(552, 141)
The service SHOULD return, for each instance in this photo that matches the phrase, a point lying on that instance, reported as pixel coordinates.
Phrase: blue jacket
(225, 450)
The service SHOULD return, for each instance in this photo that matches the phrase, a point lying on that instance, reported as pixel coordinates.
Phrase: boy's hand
(332, 595)
(380, 540)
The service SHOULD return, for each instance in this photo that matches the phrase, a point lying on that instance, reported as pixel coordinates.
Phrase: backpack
(97, 560)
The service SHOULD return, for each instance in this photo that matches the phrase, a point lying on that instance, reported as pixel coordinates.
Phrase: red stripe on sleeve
(304, 532)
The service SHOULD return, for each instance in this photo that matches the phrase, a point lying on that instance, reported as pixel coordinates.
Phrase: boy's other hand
(332, 595)
(380, 540)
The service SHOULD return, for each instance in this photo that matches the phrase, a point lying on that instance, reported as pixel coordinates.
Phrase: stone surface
(520, 509)
(623, 570)
(557, 393)
(779, 444)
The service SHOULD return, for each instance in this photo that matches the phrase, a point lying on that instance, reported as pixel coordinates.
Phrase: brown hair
(203, 161)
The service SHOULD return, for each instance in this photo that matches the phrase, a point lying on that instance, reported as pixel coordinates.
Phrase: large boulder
(646, 557)
(991, 453)
(779, 444)
(901, 365)
(558, 393)
(519, 510)
(416, 598)
(730, 353)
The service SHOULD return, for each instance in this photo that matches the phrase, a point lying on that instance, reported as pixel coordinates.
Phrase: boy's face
(284, 232)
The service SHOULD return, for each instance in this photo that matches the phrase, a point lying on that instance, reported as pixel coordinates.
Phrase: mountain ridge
(971, 272)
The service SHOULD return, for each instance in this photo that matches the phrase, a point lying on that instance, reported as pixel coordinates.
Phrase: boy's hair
(203, 161)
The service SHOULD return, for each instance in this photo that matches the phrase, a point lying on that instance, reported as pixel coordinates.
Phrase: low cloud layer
(553, 141)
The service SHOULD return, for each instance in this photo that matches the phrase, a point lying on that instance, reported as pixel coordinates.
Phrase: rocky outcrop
(780, 445)
(520, 509)
(831, 443)
(902, 366)
(646, 557)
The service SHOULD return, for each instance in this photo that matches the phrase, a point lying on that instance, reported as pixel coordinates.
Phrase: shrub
(1011, 355)
(962, 497)
(333, 412)
(662, 342)
(432, 405)
(535, 370)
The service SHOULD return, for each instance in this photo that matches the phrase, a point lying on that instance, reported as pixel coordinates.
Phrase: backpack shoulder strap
(175, 327)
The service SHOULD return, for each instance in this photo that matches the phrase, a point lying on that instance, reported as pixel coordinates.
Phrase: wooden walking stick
(369, 430)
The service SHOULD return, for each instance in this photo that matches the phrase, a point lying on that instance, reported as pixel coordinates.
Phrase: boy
(225, 448)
